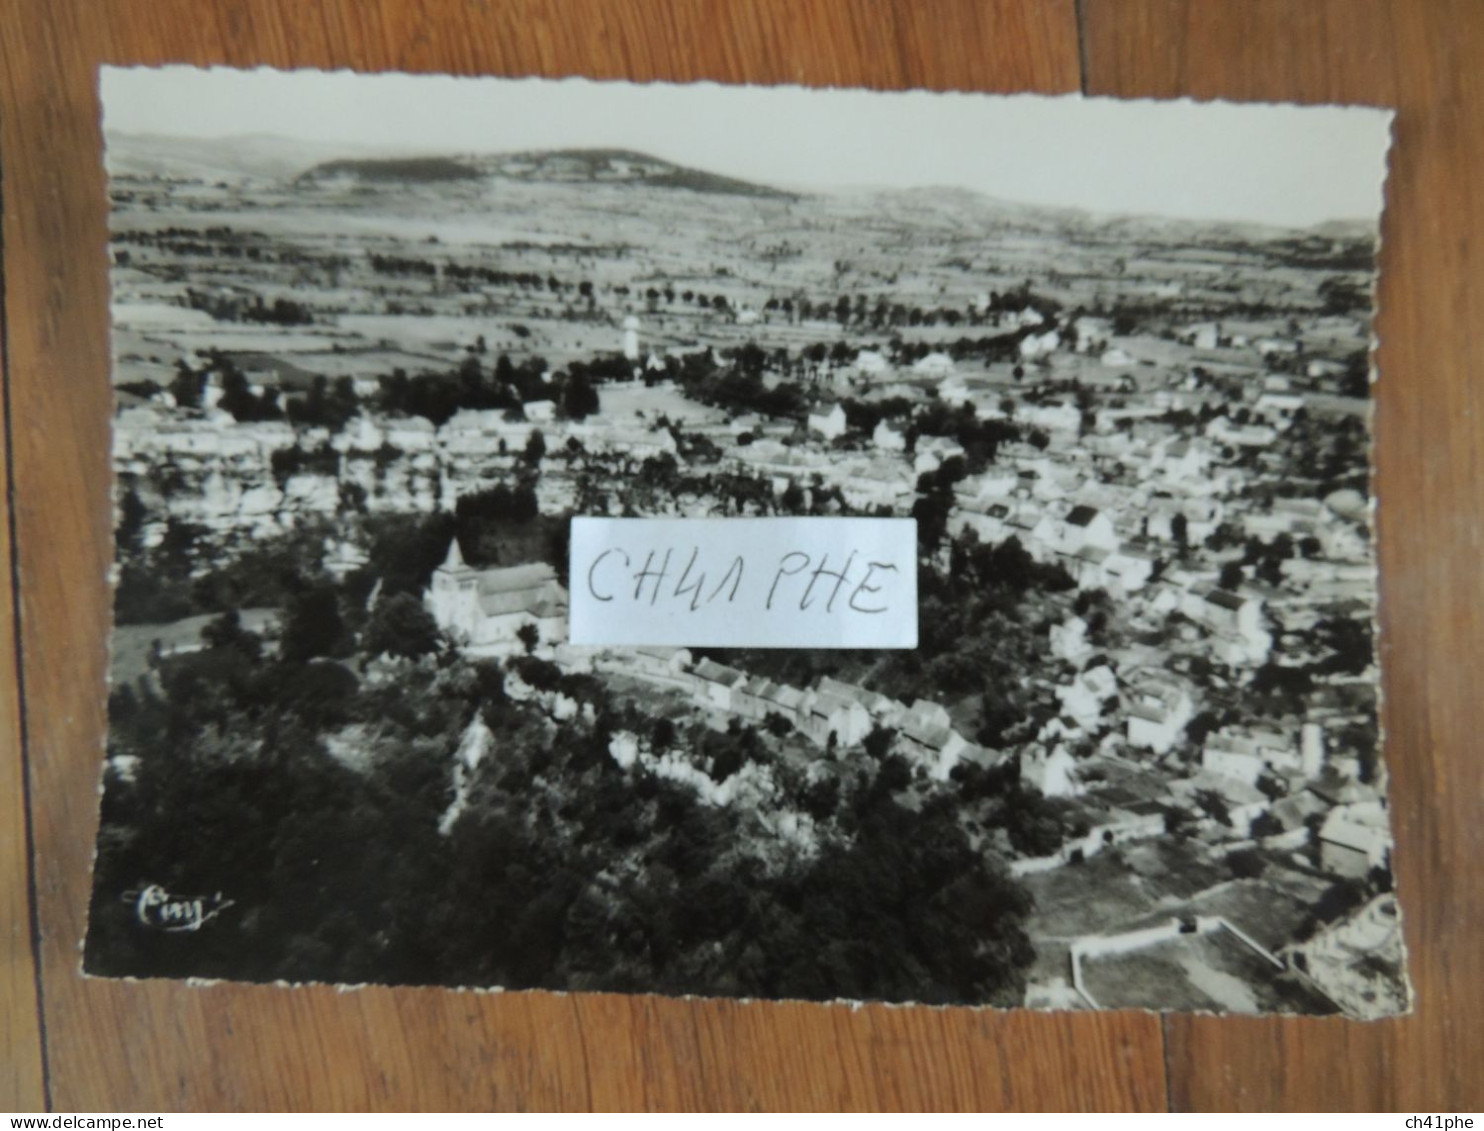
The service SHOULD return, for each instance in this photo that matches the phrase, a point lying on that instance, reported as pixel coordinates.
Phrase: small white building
(1053, 774)
(1354, 839)
(888, 439)
(829, 423)
(935, 366)
(1158, 709)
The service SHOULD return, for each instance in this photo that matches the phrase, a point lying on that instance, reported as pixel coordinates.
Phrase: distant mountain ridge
(261, 156)
(296, 161)
(560, 166)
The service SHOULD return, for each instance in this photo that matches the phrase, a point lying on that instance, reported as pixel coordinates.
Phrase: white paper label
(745, 582)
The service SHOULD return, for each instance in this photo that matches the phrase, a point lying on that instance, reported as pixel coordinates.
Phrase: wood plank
(158, 1045)
(1422, 59)
(22, 1087)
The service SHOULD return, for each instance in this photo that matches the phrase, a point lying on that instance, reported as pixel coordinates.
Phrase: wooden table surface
(88, 1045)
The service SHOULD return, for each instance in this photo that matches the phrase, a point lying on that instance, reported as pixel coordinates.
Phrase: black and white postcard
(746, 542)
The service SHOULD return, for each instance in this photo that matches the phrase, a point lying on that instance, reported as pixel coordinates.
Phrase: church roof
(545, 601)
(509, 579)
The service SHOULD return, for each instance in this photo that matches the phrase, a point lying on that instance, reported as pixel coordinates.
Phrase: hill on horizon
(295, 161)
(559, 166)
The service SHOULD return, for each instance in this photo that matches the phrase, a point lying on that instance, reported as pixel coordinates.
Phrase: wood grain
(165, 1046)
(1422, 59)
(157, 1045)
(21, 1083)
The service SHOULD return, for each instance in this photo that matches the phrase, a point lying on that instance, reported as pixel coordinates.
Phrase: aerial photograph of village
(1133, 762)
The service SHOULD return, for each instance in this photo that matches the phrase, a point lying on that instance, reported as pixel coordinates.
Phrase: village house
(718, 686)
(1328, 959)
(1276, 347)
(871, 365)
(1090, 334)
(1181, 462)
(1083, 699)
(791, 703)
(870, 486)
(955, 391)
(1235, 620)
(540, 411)
(1053, 773)
(1081, 527)
(1295, 517)
(411, 434)
(888, 439)
(828, 422)
(932, 451)
(1247, 753)
(882, 710)
(1354, 839)
(487, 609)
(1224, 431)
(1201, 335)
(758, 697)
(1279, 408)
(926, 713)
(1122, 823)
(360, 434)
(836, 717)
(936, 748)
(935, 366)
(1199, 517)
(1052, 417)
(659, 662)
(1127, 570)
(1036, 346)
(751, 698)
(992, 485)
(989, 524)
(1158, 707)
(1241, 802)
(1069, 641)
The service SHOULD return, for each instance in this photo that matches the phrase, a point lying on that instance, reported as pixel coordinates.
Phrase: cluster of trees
(231, 307)
(1331, 453)
(884, 313)
(1035, 825)
(507, 386)
(215, 242)
(564, 871)
(982, 625)
(660, 485)
(1344, 294)
(436, 397)
(500, 503)
(296, 459)
(324, 404)
(738, 387)
(402, 266)
(980, 439)
(165, 582)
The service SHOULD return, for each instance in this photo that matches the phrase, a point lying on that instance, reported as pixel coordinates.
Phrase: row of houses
(835, 713)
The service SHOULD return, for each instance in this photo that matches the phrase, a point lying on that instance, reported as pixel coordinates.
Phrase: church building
(485, 609)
